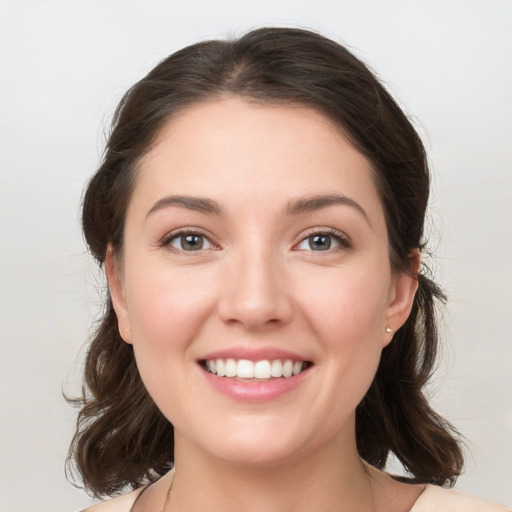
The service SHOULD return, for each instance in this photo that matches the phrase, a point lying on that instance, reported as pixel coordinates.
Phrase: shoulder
(156, 493)
(437, 499)
(122, 503)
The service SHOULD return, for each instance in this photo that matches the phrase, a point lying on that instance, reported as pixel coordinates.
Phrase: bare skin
(388, 495)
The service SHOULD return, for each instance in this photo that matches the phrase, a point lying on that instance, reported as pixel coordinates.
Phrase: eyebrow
(198, 204)
(295, 207)
(308, 204)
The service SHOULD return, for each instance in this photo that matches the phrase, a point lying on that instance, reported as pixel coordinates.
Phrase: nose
(255, 295)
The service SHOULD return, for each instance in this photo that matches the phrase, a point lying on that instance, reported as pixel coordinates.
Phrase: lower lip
(253, 391)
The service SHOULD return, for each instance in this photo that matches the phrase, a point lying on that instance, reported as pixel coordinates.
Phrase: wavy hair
(122, 439)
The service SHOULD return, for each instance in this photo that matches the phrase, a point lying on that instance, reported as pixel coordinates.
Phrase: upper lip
(253, 354)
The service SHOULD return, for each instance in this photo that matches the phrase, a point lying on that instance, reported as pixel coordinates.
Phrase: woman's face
(255, 244)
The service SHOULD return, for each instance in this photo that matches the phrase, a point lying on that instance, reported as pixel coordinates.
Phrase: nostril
(254, 296)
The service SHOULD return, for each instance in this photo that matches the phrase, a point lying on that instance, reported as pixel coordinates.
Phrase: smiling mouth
(244, 369)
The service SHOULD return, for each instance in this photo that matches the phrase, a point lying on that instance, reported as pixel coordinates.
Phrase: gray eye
(190, 242)
(319, 242)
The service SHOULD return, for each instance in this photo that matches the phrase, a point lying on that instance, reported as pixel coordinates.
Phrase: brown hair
(122, 438)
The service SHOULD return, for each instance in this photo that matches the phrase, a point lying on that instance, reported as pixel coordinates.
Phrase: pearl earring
(388, 329)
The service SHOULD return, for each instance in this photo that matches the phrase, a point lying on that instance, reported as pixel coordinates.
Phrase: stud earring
(388, 329)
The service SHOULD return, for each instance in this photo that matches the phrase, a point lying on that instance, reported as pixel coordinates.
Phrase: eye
(188, 241)
(323, 241)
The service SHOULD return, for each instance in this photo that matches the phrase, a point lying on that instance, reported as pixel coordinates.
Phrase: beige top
(432, 499)
(437, 499)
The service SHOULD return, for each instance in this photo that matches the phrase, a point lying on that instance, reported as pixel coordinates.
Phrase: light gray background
(64, 65)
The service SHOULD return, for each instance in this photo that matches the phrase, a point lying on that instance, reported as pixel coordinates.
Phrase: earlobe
(402, 295)
(117, 295)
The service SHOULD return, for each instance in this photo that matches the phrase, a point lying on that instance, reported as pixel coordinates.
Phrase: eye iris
(320, 242)
(192, 242)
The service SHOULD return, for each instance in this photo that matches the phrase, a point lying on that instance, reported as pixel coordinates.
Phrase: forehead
(239, 152)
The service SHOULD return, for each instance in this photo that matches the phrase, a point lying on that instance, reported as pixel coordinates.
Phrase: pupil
(192, 242)
(320, 242)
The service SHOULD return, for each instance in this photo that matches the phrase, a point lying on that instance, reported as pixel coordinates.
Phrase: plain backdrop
(63, 67)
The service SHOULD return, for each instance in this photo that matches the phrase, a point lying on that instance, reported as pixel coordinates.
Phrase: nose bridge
(255, 294)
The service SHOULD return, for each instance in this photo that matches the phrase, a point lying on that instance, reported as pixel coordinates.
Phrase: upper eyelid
(343, 240)
(325, 231)
(172, 235)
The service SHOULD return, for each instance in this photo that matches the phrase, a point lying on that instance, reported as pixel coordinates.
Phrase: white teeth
(276, 369)
(287, 368)
(221, 372)
(230, 368)
(245, 369)
(262, 370)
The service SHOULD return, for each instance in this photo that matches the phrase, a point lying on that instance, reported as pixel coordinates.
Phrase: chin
(237, 440)
(260, 444)
(260, 456)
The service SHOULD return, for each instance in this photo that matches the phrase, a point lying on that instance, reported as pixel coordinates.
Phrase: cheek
(166, 305)
(348, 320)
(347, 306)
(167, 310)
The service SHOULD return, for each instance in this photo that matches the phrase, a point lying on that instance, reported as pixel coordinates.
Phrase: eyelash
(175, 235)
(341, 238)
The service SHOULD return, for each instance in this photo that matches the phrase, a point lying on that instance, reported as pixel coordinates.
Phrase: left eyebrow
(198, 204)
(308, 204)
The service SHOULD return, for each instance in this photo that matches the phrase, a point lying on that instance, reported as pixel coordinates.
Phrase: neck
(328, 479)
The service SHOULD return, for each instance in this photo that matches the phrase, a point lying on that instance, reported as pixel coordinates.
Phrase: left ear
(117, 295)
(401, 297)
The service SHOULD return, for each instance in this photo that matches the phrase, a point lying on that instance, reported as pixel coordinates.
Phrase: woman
(269, 327)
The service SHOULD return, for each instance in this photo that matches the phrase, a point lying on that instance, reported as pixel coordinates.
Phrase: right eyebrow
(198, 204)
(307, 204)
